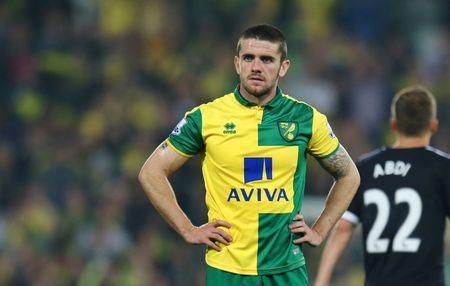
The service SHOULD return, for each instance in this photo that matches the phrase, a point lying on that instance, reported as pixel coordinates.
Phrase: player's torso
(252, 155)
(403, 217)
(253, 167)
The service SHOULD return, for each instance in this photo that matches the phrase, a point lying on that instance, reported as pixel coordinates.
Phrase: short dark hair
(413, 108)
(265, 32)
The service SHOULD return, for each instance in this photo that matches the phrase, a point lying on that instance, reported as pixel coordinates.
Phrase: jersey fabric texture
(402, 204)
(253, 164)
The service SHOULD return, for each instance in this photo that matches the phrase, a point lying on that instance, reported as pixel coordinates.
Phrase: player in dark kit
(402, 202)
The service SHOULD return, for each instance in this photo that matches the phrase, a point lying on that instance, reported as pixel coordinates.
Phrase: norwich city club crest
(288, 130)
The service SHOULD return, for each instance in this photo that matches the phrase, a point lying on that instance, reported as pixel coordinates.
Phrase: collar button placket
(259, 113)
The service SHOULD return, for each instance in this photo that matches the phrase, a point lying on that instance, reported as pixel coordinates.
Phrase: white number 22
(402, 242)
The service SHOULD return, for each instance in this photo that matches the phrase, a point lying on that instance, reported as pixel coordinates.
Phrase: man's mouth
(256, 78)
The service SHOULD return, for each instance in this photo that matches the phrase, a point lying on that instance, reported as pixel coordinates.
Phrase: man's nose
(256, 65)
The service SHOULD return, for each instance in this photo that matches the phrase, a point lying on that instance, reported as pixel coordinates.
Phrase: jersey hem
(178, 150)
(270, 271)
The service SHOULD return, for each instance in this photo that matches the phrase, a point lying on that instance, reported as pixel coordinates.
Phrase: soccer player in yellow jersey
(253, 144)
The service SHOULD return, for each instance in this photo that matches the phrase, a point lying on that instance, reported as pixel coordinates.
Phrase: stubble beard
(260, 91)
(257, 92)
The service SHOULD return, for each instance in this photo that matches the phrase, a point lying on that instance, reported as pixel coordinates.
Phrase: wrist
(186, 230)
(319, 233)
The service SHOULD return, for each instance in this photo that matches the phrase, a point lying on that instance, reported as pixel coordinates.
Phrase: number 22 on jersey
(402, 242)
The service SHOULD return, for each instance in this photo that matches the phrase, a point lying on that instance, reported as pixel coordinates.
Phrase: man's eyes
(250, 58)
(267, 60)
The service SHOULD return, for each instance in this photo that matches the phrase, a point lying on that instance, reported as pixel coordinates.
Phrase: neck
(259, 100)
(411, 142)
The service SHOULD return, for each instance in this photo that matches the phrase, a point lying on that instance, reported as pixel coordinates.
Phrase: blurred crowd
(89, 88)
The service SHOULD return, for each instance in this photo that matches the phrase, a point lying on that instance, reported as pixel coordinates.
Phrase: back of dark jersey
(402, 203)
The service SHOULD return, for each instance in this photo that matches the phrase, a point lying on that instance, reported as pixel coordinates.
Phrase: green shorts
(296, 277)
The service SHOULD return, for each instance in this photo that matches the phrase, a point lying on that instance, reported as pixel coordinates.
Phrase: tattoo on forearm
(164, 145)
(338, 164)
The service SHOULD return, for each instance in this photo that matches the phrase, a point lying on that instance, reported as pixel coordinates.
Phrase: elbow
(151, 172)
(351, 180)
(354, 179)
(142, 177)
(145, 175)
(344, 226)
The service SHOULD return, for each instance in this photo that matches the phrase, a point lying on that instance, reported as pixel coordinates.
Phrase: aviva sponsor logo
(257, 194)
(257, 169)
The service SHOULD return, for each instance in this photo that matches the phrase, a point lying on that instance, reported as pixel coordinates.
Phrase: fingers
(301, 239)
(212, 234)
(223, 234)
(219, 222)
(299, 217)
(219, 238)
(308, 235)
(298, 230)
(310, 238)
(212, 245)
(219, 235)
(299, 226)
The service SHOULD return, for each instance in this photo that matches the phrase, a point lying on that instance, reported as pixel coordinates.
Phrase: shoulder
(438, 154)
(289, 101)
(218, 103)
(439, 159)
(215, 105)
(370, 156)
(303, 110)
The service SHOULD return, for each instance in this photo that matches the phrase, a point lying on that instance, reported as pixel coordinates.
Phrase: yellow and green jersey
(254, 164)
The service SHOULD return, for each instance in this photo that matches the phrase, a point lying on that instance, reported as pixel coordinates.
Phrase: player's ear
(434, 125)
(237, 65)
(394, 125)
(284, 67)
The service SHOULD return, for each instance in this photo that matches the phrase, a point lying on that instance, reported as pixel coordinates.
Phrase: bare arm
(336, 244)
(346, 176)
(154, 181)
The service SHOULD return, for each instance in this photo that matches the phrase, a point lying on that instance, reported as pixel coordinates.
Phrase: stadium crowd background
(89, 88)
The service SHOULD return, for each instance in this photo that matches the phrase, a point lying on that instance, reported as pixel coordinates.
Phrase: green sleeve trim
(332, 153)
(176, 149)
(187, 136)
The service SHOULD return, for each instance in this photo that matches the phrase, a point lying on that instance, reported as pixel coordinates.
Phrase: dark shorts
(217, 277)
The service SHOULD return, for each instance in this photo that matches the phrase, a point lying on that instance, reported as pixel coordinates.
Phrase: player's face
(259, 66)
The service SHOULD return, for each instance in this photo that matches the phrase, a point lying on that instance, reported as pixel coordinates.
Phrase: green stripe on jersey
(291, 126)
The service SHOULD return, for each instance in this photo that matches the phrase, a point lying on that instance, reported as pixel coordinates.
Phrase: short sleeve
(323, 142)
(186, 139)
(353, 213)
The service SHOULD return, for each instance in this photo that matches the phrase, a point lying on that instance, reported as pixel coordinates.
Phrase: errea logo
(229, 128)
